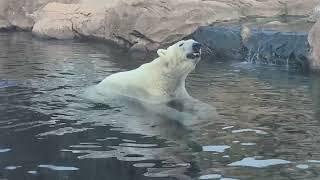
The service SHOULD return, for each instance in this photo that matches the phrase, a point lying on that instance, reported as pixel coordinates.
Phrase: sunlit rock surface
(18, 13)
(148, 22)
(314, 40)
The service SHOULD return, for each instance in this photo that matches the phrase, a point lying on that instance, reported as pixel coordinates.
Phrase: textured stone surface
(259, 45)
(315, 14)
(314, 41)
(151, 23)
(300, 7)
(16, 13)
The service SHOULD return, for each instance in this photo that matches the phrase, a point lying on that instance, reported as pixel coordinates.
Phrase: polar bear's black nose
(196, 47)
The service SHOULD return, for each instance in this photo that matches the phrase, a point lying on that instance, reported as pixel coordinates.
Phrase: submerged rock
(256, 45)
(278, 48)
(224, 42)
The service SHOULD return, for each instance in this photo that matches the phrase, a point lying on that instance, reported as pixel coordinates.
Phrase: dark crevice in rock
(123, 42)
(77, 33)
(141, 36)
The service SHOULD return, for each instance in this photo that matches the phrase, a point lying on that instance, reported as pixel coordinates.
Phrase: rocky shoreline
(145, 25)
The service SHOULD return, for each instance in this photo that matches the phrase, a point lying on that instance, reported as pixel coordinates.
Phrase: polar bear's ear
(161, 52)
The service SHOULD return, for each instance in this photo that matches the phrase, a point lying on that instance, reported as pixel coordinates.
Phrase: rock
(314, 41)
(278, 48)
(5, 25)
(53, 22)
(17, 12)
(256, 45)
(138, 51)
(224, 42)
(150, 22)
(256, 8)
(58, 29)
(300, 7)
(315, 15)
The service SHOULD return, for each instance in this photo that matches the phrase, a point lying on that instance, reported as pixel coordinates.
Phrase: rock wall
(314, 41)
(18, 13)
(143, 23)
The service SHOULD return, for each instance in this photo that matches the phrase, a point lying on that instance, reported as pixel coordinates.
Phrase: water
(268, 126)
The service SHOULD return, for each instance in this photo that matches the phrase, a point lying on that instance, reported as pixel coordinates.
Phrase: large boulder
(16, 13)
(150, 22)
(314, 41)
(52, 21)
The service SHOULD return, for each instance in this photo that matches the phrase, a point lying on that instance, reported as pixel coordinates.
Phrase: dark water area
(268, 129)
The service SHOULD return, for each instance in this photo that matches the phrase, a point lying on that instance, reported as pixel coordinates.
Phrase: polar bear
(159, 84)
(159, 81)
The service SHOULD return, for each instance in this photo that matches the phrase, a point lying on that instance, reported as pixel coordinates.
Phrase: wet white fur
(161, 80)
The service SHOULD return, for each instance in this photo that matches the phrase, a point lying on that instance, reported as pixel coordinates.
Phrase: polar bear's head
(181, 56)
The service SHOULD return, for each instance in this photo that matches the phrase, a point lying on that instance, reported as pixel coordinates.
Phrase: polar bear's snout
(196, 47)
(196, 51)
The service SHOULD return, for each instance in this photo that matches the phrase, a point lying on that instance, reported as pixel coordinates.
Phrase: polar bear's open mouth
(193, 55)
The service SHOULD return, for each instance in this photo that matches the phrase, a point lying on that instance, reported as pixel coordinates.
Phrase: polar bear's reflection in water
(158, 87)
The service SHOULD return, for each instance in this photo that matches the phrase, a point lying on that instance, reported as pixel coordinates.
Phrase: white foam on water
(252, 162)
(144, 165)
(73, 151)
(108, 138)
(210, 176)
(228, 127)
(219, 149)
(63, 131)
(5, 150)
(138, 145)
(314, 161)
(302, 166)
(85, 146)
(32, 172)
(12, 167)
(248, 144)
(59, 168)
(249, 130)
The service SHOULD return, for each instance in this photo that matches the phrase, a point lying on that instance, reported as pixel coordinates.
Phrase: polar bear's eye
(181, 44)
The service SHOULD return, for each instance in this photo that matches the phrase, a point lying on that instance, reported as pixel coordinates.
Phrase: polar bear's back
(139, 83)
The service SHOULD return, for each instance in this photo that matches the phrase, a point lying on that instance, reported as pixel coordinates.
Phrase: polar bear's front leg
(198, 109)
